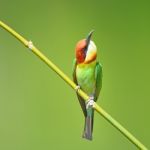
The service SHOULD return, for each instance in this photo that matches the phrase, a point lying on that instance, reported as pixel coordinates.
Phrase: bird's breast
(85, 74)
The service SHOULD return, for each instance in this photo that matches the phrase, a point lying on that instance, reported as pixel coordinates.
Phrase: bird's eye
(82, 49)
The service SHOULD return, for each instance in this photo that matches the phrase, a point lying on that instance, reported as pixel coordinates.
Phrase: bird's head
(86, 50)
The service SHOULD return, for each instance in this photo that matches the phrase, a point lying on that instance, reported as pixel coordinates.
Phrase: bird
(87, 74)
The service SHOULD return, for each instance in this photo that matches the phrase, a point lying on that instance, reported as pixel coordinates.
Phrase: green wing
(98, 78)
(81, 101)
(74, 71)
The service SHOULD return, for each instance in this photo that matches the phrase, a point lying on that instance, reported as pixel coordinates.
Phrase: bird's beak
(89, 37)
(88, 41)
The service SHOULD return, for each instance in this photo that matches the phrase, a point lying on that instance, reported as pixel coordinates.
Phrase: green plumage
(85, 74)
(89, 78)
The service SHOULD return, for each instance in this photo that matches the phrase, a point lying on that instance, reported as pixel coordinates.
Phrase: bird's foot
(77, 88)
(90, 102)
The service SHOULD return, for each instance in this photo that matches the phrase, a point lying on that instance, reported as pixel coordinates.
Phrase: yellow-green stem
(99, 109)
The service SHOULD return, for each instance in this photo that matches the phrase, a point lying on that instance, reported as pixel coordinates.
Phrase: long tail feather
(88, 127)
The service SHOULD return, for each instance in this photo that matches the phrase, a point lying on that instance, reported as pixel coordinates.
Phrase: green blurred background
(38, 110)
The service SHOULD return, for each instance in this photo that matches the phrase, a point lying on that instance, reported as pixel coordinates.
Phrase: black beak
(89, 37)
(88, 41)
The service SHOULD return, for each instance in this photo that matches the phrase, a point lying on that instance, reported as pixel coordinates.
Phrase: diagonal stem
(99, 109)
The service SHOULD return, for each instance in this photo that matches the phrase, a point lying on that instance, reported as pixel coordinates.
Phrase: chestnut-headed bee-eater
(87, 74)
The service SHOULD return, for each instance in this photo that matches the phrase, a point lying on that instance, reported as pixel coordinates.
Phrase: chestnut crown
(86, 50)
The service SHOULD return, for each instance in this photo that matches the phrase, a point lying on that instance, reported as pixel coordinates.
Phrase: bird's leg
(90, 102)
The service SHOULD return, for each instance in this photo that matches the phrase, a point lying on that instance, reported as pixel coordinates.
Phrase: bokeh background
(38, 110)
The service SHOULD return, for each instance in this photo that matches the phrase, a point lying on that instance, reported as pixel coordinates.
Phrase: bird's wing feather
(81, 101)
(98, 78)
(74, 71)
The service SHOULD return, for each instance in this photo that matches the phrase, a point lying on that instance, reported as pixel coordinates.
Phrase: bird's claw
(90, 102)
(77, 88)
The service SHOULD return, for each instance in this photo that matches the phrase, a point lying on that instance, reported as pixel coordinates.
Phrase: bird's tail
(88, 127)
